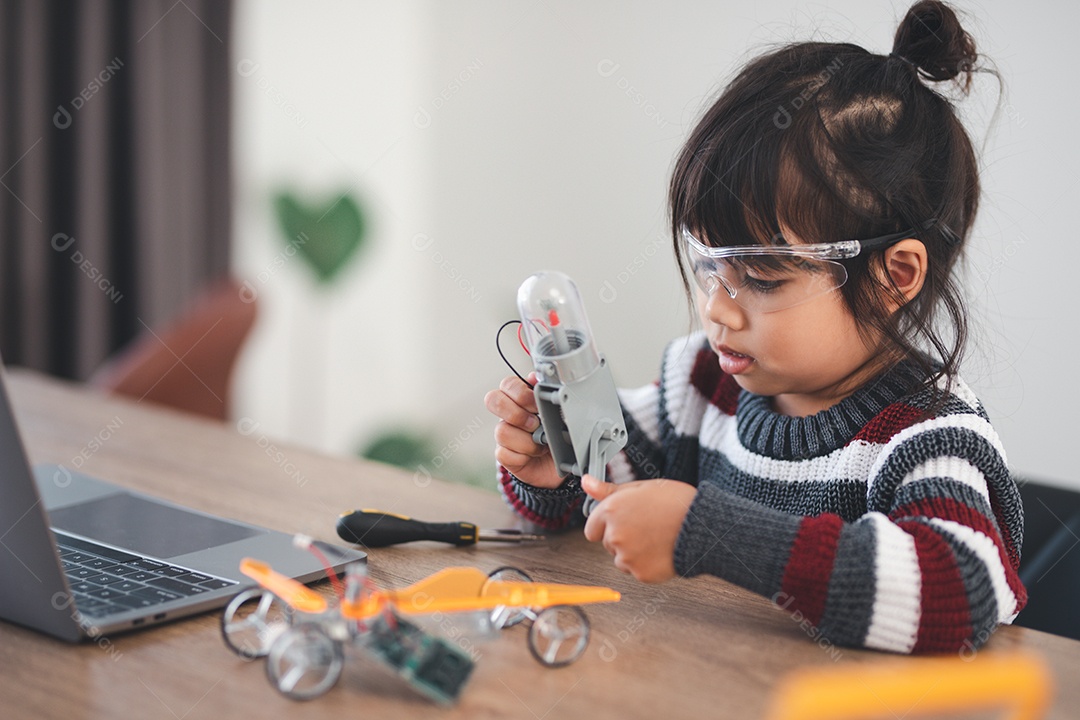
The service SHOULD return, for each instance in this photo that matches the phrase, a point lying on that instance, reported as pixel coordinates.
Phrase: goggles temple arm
(884, 241)
(893, 238)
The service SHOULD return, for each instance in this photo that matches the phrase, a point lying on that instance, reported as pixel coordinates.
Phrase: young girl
(814, 443)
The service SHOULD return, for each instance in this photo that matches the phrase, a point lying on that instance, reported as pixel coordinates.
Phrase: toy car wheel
(304, 662)
(503, 616)
(252, 621)
(559, 635)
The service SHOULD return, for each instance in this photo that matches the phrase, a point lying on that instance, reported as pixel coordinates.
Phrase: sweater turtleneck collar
(764, 431)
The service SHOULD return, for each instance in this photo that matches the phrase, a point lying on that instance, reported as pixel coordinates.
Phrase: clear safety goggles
(769, 278)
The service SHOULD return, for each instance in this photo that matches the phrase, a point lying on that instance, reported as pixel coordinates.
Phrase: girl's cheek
(703, 314)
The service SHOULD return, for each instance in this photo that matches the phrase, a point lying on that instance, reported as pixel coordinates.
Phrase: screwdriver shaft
(510, 536)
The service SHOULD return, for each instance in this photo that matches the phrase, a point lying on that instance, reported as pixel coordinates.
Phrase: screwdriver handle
(374, 529)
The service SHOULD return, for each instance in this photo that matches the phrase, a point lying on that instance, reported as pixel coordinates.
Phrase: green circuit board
(431, 665)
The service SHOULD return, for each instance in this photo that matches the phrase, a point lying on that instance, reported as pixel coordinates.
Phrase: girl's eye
(760, 285)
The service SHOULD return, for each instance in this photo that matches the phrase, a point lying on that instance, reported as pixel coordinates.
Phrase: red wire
(521, 327)
(521, 340)
(338, 588)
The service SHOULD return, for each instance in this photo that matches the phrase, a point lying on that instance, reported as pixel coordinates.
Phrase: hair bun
(930, 38)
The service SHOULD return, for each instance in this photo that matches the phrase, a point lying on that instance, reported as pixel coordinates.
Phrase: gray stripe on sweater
(944, 488)
(646, 459)
(733, 538)
(849, 605)
(846, 498)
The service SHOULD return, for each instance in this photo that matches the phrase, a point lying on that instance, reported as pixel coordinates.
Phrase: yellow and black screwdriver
(375, 528)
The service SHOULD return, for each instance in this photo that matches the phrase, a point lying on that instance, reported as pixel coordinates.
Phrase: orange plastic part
(524, 594)
(292, 593)
(461, 589)
(456, 589)
(1018, 683)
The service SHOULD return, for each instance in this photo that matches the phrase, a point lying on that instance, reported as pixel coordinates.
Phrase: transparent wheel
(304, 662)
(503, 616)
(559, 635)
(252, 621)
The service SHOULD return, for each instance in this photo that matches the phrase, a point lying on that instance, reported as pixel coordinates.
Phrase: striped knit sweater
(885, 528)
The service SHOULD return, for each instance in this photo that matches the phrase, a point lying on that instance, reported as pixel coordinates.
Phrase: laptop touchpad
(147, 527)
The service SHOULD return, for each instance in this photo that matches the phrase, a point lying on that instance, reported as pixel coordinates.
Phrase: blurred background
(309, 219)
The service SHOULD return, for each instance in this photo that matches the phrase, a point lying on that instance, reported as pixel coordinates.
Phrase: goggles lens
(761, 282)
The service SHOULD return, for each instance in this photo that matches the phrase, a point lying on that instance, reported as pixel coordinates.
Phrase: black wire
(498, 334)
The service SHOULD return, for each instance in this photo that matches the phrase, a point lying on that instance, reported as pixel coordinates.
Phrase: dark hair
(837, 143)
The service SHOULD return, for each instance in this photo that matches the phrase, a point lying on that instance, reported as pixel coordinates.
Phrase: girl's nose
(722, 310)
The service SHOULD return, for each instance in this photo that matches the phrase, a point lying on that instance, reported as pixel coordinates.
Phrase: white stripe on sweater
(642, 404)
(954, 468)
(961, 390)
(720, 432)
(988, 553)
(619, 469)
(894, 622)
(683, 403)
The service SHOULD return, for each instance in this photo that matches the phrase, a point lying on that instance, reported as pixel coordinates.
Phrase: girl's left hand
(639, 522)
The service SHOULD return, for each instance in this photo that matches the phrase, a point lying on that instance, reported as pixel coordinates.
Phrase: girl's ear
(906, 263)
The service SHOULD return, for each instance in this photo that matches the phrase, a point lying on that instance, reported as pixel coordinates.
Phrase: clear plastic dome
(557, 331)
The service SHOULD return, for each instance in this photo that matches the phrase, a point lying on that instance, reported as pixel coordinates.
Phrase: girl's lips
(732, 362)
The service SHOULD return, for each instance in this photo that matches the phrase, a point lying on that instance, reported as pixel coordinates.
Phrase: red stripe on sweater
(951, 509)
(726, 396)
(709, 380)
(810, 565)
(889, 422)
(506, 481)
(945, 621)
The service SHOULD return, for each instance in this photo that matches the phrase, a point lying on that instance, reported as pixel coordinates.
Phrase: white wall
(324, 99)
(487, 140)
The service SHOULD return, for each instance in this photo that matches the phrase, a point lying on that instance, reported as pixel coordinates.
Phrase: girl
(817, 444)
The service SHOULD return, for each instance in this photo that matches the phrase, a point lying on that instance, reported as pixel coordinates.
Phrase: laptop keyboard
(105, 581)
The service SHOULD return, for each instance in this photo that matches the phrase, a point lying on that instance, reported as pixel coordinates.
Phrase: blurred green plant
(401, 448)
(420, 452)
(326, 236)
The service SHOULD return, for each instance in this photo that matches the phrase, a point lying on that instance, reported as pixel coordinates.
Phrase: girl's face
(807, 357)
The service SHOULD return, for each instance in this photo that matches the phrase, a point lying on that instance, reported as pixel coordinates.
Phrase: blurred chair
(188, 363)
(1050, 564)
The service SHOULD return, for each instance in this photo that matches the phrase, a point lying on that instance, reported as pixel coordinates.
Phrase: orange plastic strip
(465, 589)
(1017, 682)
(292, 593)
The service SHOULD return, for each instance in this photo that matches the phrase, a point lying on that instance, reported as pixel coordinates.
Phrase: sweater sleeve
(549, 508)
(930, 567)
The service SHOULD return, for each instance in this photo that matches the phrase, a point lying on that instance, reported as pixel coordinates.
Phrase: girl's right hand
(515, 406)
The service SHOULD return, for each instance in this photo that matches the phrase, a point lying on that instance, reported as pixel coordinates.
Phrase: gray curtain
(114, 171)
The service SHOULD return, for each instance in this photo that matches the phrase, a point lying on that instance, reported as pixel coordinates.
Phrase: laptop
(81, 557)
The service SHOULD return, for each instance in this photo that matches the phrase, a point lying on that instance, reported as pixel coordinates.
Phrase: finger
(596, 525)
(518, 440)
(519, 392)
(505, 408)
(596, 488)
(512, 461)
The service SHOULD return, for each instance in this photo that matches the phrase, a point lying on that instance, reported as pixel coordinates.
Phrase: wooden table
(691, 648)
